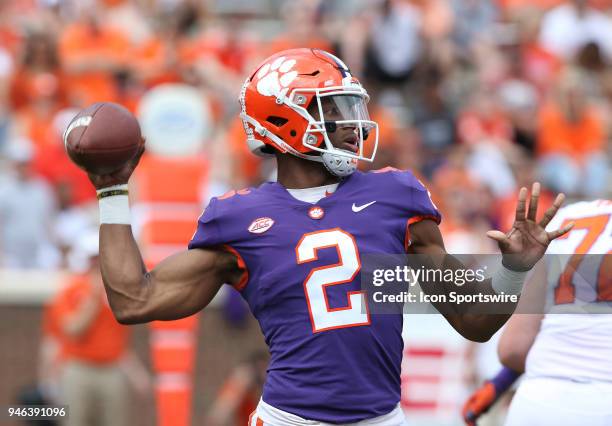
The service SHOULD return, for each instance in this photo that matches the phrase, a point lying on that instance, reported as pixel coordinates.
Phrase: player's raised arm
(179, 286)
(522, 247)
(427, 240)
(104, 139)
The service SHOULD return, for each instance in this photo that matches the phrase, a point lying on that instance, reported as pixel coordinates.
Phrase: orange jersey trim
(386, 170)
(415, 219)
(242, 265)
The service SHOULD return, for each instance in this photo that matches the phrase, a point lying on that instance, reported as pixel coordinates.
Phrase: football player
(293, 248)
(566, 355)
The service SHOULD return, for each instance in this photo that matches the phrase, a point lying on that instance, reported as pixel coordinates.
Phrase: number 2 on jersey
(565, 292)
(322, 317)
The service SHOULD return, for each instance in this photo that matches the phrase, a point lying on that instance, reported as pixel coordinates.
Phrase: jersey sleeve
(416, 199)
(217, 228)
(208, 232)
(413, 203)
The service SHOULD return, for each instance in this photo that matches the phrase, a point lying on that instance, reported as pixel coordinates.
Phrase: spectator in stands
(27, 208)
(534, 62)
(38, 90)
(434, 121)
(571, 141)
(474, 20)
(569, 27)
(437, 27)
(92, 346)
(300, 27)
(394, 46)
(484, 121)
(465, 203)
(92, 54)
(520, 102)
(127, 16)
(168, 54)
(71, 220)
(39, 73)
(596, 78)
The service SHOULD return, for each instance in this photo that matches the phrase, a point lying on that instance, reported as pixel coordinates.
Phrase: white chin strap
(339, 165)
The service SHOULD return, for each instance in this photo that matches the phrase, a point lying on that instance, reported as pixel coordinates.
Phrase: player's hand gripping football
(120, 176)
(528, 240)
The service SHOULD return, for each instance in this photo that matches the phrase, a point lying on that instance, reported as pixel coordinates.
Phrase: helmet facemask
(337, 109)
(345, 112)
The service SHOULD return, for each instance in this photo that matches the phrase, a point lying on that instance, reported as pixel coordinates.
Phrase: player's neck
(297, 173)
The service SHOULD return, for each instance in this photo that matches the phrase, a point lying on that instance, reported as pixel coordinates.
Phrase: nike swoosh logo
(357, 209)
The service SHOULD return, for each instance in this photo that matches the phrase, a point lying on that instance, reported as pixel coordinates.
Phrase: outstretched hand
(528, 240)
(120, 176)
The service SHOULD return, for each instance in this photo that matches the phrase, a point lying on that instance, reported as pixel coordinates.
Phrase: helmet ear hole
(276, 121)
(293, 133)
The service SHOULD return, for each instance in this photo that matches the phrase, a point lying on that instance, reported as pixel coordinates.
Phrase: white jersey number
(322, 317)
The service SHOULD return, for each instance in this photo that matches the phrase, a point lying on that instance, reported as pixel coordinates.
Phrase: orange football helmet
(275, 101)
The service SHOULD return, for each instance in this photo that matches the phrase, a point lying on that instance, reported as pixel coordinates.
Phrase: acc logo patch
(261, 225)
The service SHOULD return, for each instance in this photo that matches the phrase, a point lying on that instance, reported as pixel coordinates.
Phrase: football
(102, 138)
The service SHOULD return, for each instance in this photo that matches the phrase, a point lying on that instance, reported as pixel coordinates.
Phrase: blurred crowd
(477, 97)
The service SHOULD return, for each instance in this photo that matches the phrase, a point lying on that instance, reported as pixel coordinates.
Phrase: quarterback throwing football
(293, 248)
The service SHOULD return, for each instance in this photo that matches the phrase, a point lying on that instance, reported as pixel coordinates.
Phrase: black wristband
(112, 193)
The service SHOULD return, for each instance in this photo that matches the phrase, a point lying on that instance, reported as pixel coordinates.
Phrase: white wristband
(114, 209)
(508, 281)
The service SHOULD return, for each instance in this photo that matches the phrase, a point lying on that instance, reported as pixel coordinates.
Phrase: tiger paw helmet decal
(275, 77)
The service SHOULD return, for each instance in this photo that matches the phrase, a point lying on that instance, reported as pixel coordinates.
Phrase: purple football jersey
(331, 361)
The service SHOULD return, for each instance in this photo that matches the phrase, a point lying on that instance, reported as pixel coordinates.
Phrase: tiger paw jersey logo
(275, 78)
(316, 212)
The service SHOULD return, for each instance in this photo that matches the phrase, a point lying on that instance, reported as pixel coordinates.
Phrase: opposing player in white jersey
(566, 354)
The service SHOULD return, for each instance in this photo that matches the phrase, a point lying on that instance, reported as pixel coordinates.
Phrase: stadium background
(477, 97)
